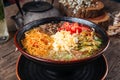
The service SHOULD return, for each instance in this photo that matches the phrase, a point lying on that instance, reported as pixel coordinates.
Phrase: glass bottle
(4, 34)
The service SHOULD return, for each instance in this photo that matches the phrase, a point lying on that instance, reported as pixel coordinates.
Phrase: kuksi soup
(62, 41)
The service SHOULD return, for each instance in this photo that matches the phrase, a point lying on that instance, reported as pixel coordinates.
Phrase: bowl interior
(20, 35)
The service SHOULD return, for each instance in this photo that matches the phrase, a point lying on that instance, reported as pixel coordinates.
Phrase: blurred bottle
(4, 35)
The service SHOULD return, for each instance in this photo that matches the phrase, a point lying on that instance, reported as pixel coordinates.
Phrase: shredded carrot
(37, 43)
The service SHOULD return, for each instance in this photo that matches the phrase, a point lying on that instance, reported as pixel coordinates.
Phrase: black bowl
(58, 64)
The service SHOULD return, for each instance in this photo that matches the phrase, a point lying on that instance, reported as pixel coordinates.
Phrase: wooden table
(8, 55)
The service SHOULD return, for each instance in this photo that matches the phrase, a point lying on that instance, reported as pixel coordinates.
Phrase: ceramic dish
(50, 63)
(29, 70)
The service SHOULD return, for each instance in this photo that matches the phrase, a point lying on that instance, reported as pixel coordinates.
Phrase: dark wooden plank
(8, 58)
(113, 57)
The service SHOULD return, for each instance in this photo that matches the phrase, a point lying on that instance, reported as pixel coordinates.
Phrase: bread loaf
(84, 12)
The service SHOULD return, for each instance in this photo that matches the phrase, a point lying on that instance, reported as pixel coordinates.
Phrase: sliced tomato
(68, 28)
(73, 30)
(65, 26)
(78, 30)
(73, 27)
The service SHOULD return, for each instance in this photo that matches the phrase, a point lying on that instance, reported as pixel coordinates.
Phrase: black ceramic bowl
(50, 63)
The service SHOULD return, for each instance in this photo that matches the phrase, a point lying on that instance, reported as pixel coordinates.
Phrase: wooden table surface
(8, 55)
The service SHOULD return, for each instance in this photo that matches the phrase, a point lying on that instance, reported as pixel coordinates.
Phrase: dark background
(9, 2)
(116, 0)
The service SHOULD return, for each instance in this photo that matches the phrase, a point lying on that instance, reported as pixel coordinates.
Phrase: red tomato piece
(73, 30)
(66, 24)
(78, 30)
(73, 27)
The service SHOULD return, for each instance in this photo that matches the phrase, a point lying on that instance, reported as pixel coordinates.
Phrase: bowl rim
(57, 61)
